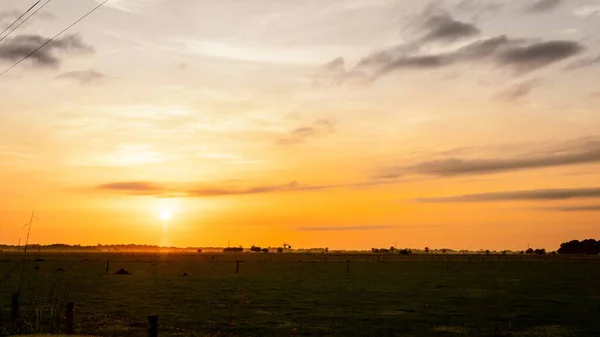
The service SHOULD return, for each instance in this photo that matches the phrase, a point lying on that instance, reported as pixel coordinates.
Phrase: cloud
(83, 76)
(434, 26)
(588, 208)
(442, 27)
(538, 55)
(134, 187)
(344, 228)
(321, 127)
(20, 46)
(543, 6)
(521, 55)
(583, 151)
(584, 63)
(519, 90)
(531, 195)
(587, 11)
(197, 190)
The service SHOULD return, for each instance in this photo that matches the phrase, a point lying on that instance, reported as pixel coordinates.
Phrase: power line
(54, 37)
(19, 18)
(27, 18)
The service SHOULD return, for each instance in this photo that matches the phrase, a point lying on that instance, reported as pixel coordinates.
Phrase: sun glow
(165, 215)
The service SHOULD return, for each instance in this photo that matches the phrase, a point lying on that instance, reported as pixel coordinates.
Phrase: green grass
(305, 295)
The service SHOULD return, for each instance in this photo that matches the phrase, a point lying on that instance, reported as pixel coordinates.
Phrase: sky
(464, 124)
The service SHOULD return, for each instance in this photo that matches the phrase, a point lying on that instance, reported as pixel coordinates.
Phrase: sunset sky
(350, 124)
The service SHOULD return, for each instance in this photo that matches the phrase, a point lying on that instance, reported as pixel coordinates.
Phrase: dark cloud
(538, 55)
(442, 27)
(16, 48)
(584, 63)
(519, 90)
(83, 76)
(543, 6)
(321, 127)
(344, 228)
(588, 208)
(583, 151)
(532, 195)
(433, 26)
(521, 55)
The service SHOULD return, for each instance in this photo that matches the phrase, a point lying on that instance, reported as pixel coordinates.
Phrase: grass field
(294, 294)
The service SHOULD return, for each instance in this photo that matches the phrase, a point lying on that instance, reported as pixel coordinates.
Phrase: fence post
(70, 309)
(153, 326)
(15, 307)
(237, 266)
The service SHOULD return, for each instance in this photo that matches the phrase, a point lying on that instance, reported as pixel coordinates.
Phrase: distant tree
(255, 249)
(392, 249)
(426, 250)
(585, 247)
(265, 250)
(504, 252)
(540, 251)
(444, 251)
(405, 252)
(326, 250)
(487, 252)
(529, 251)
(279, 250)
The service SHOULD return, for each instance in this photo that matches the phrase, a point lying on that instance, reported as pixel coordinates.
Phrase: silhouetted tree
(326, 250)
(405, 252)
(426, 250)
(540, 251)
(265, 250)
(279, 250)
(586, 247)
(487, 252)
(529, 251)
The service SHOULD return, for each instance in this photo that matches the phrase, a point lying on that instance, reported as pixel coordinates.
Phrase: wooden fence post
(237, 266)
(15, 307)
(153, 326)
(70, 325)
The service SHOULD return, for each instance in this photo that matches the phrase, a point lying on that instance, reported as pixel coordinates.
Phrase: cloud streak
(580, 152)
(344, 228)
(531, 195)
(84, 77)
(543, 6)
(519, 90)
(16, 48)
(319, 128)
(588, 208)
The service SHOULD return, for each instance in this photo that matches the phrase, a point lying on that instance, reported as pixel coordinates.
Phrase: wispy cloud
(229, 188)
(584, 63)
(13, 49)
(543, 6)
(531, 195)
(587, 11)
(84, 77)
(585, 151)
(587, 208)
(519, 90)
(344, 228)
(319, 128)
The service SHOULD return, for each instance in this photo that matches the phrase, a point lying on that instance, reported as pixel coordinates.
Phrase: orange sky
(346, 124)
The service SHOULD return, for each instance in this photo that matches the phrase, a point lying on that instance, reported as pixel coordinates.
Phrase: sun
(165, 215)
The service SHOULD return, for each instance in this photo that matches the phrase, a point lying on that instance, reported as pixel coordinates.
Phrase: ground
(321, 295)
